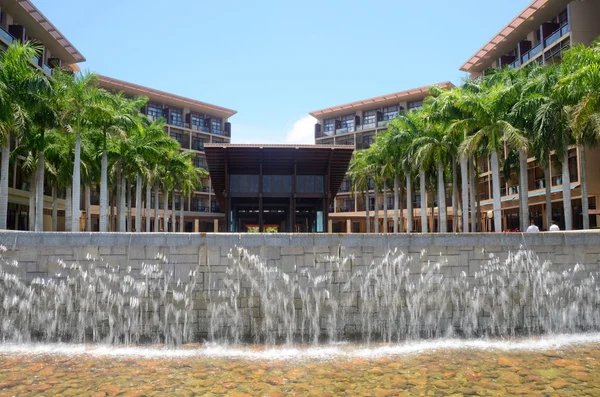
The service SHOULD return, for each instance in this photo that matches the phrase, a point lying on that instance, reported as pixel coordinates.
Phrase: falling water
(337, 300)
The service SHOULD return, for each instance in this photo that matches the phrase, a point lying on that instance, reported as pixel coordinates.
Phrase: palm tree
(358, 171)
(580, 84)
(20, 86)
(487, 116)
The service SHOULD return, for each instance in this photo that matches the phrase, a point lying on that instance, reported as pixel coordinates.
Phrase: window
(390, 112)
(199, 162)
(329, 125)
(310, 184)
(216, 126)
(414, 105)
(177, 136)
(370, 117)
(155, 111)
(176, 117)
(348, 123)
(243, 183)
(277, 183)
(199, 122)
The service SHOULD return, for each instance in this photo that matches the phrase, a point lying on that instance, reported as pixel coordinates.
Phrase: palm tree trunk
(496, 191)
(585, 205)
(122, 215)
(4, 184)
(442, 217)
(129, 205)
(138, 204)
(104, 193)
(396, 193)
(181, 225)
(409, 204)
(113, 207)
(148, 205)
(455, 198)
(156, 209)
(472, 194)
(548, 186)
(166, 210)
(566, 183)
(69, 209)
(39, 193)
(88, 206)
(523, 191)
(173, 213)
(32, 202)
(54, 210)
(422, 187)
(400, 208)
(385, 208)
(464, 178)
(376, 212)
(368, 225)
(76, 184)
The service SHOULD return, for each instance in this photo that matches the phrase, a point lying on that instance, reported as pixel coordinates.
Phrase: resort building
(357, 124)
(193, 124)
(277, 188)
(540, 34)
(21, 21)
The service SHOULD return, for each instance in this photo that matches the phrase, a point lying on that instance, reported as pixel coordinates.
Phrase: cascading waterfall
(400, 297)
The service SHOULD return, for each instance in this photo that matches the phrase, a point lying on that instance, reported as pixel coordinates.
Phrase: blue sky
(275, 60)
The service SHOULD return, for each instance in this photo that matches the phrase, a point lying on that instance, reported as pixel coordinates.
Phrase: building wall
(39, 255)
(584, 16)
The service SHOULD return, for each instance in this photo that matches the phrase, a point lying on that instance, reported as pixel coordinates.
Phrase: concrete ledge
(14, 239)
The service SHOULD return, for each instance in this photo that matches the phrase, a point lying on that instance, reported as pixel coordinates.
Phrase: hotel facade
(357, 124)
(193, 124)
(539, 35)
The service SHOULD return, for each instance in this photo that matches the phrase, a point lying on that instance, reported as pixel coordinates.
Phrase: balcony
(382, 124)
(368, 126)
(4, 35)
(346, 130)
(513, 190)
(516, 64)
(535, 51)
(556, 35)
(345, 188)
(198, 145)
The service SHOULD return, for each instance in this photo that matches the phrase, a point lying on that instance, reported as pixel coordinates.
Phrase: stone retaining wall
(42, 254)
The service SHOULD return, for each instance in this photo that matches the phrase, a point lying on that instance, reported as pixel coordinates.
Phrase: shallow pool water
(549, 366)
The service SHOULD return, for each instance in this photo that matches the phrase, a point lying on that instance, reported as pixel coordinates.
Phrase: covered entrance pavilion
(276, 188)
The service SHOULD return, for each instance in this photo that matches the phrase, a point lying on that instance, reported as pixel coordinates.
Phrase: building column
(216, 225)
(260, 215)
(329, 226)
(349, 226)
(196, 225)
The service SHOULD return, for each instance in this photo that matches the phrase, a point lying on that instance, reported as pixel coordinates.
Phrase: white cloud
(302, 131)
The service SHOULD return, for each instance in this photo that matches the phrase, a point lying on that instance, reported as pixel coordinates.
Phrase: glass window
(199, 122)
(216, 126)
(310, 184)
(243, 183)
(414, 105)
(176, 117)
(329, 125)
(348, 122)
(370, 117)
(154, 111)
(277, 183)
(390, 112)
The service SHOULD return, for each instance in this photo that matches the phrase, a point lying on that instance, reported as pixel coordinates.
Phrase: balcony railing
(6, 36)
(344, 130)
(368, 126)
(556, 35)
(516, 64)
(532, 53)
(47, 69)
(382, 124)
(513, 190)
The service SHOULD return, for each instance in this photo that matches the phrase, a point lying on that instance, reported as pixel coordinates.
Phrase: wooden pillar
(329, 226)
(349, 226)
(216, 225)
(196, 225)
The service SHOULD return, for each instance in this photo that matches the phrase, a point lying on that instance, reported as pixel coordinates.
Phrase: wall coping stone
(12, 240)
